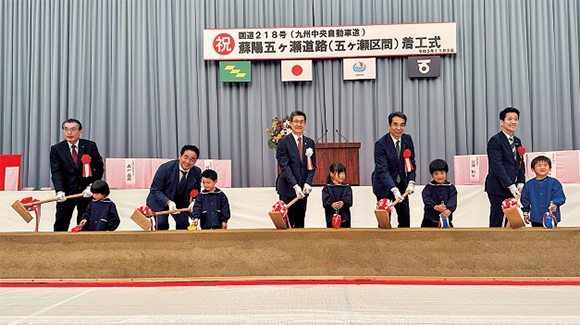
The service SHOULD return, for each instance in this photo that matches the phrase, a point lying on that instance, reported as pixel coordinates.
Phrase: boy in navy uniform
(542, 194)
(211, 209)
(439, 196)
(295, 176)
(506, 174)
(101, 214)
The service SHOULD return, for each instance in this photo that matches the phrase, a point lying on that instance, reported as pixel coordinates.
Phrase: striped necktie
(513, 146)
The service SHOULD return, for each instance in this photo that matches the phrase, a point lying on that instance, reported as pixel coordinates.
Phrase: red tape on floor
(35, 283)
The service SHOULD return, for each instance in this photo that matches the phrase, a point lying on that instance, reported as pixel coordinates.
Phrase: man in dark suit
(390, 177)
(295, 175)
(506, 175)
(74, 163)
(172, 185)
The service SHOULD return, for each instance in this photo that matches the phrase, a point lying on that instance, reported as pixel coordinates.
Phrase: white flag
(297, 70)
(359, 68)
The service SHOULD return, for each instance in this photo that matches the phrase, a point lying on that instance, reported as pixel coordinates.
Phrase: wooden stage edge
(237, 257)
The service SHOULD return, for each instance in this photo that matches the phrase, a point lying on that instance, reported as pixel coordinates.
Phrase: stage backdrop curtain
(133, 73)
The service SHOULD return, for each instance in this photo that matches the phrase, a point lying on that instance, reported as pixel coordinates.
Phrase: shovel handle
(402, 197)
(149, 215)
(296, 199)
(52, 200)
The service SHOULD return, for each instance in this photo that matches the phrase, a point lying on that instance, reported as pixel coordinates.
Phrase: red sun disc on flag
(297, 70)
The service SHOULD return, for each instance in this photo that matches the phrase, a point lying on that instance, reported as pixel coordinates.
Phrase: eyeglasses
(299, 121)
(67, 130)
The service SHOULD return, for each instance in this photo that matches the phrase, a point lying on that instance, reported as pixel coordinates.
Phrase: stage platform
(297, 252)
(250, 208)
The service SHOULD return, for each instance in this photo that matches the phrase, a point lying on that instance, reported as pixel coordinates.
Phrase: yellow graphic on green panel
(235, 71)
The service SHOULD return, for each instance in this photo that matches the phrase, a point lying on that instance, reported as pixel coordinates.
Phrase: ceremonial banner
(282, 43)
(208, 164)
(296, 70)
(552, 156)
(474, 168)
(12, 179)
(235, 71)
(353, 69)
(130, 173)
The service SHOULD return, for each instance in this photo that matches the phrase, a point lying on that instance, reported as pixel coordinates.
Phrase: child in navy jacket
(439, 196)
(101, 213)
(336, 196)
(211, 209)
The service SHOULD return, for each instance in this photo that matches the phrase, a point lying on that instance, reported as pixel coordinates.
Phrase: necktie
(75, 155)
(300, 147)
(398, 147)
(181, 186)
(513, 146)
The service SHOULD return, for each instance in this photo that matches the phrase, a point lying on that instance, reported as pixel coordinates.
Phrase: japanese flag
(297, 70)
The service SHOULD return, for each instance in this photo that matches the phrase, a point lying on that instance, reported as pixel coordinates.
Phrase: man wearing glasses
(74, 163)
(296, 174)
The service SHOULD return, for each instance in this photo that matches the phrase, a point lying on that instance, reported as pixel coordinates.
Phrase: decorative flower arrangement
(280, 128)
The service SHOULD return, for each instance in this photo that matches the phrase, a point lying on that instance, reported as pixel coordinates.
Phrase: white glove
(191, 205)
(514, 190)
(61, 197)
(297, 189)
(397, 194)
(520, 186)
(307, 188)
(411, 187)
(87, 192)
(172, 206)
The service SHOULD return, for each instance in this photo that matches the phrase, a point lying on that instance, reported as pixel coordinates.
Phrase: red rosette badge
(407, 156)
(86, 160)
(521, 152)
(193, 193)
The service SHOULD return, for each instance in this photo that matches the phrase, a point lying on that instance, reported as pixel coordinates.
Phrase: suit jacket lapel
(174, 179)
(506, 144)
(81, 152)
(66, 152)
(404, 146)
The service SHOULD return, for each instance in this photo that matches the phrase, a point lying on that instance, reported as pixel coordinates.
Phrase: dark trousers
(428, 223)
(496, 216)
(181, 221)
(64, 211)
(297, 212)
(402, 208)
